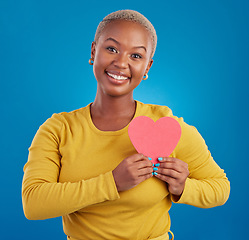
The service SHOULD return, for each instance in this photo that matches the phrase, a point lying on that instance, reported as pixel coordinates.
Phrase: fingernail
(157, 164)
(160, 159)
(150, 158)
(153, 165)
(155, 169)
(155, 173)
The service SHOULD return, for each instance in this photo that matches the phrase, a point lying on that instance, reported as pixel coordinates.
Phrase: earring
(91, 61)
(145, 77)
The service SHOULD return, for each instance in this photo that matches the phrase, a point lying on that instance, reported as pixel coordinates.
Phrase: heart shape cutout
(154, 139)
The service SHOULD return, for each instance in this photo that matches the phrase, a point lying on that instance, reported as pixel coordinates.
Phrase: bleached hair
(128, 15)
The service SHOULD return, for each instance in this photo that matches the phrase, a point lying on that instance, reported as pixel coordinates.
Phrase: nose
(121, 61)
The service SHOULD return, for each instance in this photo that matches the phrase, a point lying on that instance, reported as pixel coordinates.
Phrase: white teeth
(118, 77)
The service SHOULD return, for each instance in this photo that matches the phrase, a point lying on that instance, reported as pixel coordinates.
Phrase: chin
(117, 92)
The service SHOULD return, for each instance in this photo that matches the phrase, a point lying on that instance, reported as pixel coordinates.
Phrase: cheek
(139, 70)
(99, 60)
(100, 63)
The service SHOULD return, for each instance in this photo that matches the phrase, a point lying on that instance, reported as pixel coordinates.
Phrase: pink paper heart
(154, 139)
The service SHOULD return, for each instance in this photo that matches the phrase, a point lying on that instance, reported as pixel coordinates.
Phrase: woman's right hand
(132, 171)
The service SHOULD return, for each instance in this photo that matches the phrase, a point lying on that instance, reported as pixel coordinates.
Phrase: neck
(108, 106)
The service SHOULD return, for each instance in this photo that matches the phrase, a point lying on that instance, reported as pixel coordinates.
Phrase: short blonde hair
(128, 15)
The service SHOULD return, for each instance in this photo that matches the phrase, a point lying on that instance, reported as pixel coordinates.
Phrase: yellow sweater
(69, 174)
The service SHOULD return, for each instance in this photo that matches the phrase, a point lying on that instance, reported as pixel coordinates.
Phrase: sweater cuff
(185, 194)
(112, 188)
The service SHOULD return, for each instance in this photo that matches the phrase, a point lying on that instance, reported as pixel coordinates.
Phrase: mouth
(117, 77)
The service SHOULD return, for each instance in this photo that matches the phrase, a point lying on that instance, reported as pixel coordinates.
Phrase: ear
(93, 50)
(148, 66)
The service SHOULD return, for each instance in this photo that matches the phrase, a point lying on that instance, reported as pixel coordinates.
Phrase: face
(122, 56)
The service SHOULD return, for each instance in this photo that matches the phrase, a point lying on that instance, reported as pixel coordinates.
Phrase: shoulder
(157, 111)
(72, 116)
(191, 145)
(63, 119)
(153, 111)
(190, 135)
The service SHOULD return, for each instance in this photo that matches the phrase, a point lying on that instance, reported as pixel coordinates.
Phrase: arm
(43, 196)
(206, 185)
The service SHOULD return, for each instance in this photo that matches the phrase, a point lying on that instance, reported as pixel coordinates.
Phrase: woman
(82, 165)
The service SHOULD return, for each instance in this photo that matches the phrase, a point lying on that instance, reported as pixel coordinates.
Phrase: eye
(136, 55)
(112, 49)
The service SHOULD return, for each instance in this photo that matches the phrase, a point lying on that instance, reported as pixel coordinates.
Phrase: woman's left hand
(174, 172)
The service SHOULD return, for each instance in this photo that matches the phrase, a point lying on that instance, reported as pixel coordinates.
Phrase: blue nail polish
(157, 164)
(153, 164)
(155, 173)
(155, 169)
(160, 159)
(150, 158)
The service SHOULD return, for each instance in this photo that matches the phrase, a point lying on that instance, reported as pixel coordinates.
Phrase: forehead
(127, 31)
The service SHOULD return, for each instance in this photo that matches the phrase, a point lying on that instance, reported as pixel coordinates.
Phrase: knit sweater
(69, 174)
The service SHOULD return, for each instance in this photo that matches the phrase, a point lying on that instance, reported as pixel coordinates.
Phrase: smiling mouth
(117, 77)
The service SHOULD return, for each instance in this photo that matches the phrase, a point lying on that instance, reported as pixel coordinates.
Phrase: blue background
(200, 70)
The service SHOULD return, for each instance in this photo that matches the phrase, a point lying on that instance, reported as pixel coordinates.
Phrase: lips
(117, 77)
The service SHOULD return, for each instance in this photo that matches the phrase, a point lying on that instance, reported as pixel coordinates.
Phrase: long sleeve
(43, 196)
(207, 185)
(69, 174)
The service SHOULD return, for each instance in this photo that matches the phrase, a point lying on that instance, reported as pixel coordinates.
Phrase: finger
(171, 166)
(138, 157)
(145, 177)
(172, 183)
(142, 165)
(164, 178)
(143, 161)
(174, 163)
(168, 159)
(163, 159)
(145, 171)
(169, 172)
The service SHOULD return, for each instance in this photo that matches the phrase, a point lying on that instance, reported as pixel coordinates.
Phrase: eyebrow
(114, 40)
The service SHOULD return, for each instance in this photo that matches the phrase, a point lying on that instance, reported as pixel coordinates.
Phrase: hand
(132, 171)
(174, 172)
